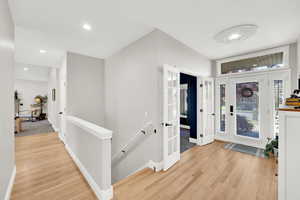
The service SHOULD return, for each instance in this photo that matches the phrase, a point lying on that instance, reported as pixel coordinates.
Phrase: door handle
(167, 124)
(231, 110)
(60, 113)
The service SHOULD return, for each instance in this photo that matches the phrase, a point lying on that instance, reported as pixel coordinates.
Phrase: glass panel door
(222, 110)
(247, 109)
(171, 116)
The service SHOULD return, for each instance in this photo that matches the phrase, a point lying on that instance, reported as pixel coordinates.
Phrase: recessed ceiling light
(87, 27)
(43, 51)
(236, 33)
(234, 36)
(26, 68)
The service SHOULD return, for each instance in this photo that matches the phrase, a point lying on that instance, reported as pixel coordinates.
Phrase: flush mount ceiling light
(87, 27)
(236, 33)
(26, 68)
(43, 51)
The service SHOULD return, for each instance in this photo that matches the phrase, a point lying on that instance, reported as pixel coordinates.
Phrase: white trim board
(155, 166)
(53, 126)
(184, 126)
(10, 184)
(101, 194)
(98, 131)
(193, 140)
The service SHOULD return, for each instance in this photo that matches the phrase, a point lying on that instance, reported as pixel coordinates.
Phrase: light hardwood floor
(210, 173)
(46, 172)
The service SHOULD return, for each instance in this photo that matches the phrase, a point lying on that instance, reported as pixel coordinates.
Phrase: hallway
(45, 171)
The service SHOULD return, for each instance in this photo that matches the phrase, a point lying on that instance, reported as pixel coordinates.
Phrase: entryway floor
(208, 172)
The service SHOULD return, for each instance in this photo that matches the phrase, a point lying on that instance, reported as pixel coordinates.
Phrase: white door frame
(206, 133)
(62, 109)
(200, 117)
(62, 101)
(271, 75)
(262, 107)
(200, 78)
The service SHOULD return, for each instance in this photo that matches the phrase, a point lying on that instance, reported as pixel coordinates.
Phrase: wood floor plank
(45, 171)
(209, 172)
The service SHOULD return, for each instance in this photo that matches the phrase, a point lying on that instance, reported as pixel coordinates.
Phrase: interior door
(248, 109)
(208, 114)
(171, 116)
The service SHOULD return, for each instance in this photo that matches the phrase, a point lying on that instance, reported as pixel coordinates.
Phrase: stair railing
(147, 130)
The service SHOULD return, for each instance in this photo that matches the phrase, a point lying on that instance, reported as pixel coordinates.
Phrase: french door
(171, 118)
(208, 116)
(247, 107)
(247, 110)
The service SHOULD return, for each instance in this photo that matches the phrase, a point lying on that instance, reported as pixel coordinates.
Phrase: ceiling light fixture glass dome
(236, 33)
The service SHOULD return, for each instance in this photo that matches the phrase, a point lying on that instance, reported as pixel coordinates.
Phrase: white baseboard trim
(10, 184)
(101, 194)
(61, 138)
(185, 126)
(156, 166)
(193, 140)
(54, 127)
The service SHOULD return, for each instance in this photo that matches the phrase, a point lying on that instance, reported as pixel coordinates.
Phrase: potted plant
(272, 147)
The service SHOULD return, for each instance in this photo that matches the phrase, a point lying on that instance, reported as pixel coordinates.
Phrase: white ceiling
(55, 25)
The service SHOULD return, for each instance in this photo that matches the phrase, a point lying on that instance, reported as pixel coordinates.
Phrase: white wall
(85, 88)
(298, 56)
(173, 52)
(28, 90)
(34, 73)
(7, 160)
(133, 94)
(131, 90)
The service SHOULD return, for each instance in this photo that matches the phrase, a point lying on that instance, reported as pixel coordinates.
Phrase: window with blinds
(265, 62)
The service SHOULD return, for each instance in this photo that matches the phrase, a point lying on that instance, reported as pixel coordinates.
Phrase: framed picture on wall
(53, 94)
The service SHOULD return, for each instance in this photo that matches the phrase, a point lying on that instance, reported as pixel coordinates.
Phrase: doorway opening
(200, 127)
(248, 107)
(31, 100)
(188, 111)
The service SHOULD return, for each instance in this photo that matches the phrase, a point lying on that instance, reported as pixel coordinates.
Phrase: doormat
(245, 149)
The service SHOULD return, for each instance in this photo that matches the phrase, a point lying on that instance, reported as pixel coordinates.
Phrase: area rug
(33, 128)
(245, 149)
